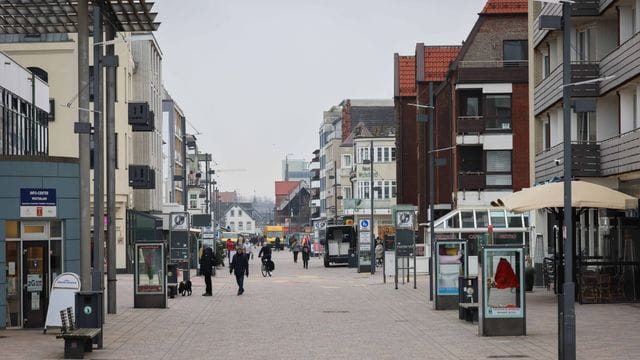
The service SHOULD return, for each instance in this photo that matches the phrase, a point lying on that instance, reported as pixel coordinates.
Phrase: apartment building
(605, 37)
(174, 124)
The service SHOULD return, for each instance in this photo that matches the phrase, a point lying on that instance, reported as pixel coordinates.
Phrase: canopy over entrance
(551, 195)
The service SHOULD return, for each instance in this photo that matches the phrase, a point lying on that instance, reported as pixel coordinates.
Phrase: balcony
(578, 8)
(585, 163)
(622, 62)
(365, 204)
(549, 90)
(492, 71)
(470, 125)
(472, 181)
(620, 154)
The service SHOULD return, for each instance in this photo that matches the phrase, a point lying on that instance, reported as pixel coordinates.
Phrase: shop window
(482, 218)
(514, 220)
(497, 219)
(12, 229)
(467, 219)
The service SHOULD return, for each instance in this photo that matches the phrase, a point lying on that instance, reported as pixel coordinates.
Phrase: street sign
(364, 224)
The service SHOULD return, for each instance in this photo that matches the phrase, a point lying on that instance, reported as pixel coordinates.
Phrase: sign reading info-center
(38, 203)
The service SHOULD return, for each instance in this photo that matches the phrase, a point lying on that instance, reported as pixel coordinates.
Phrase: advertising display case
(150, 286)
(450, 263)
(502, 299)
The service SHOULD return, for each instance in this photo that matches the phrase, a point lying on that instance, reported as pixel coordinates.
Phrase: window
(233, 213)
(379, 189)
(240, 227)
(546, 130)
(393, 154)
(586, 47)
(546, 62)
(497, 112)
(587, 127)
(379, 154)
(232, 226)
(239, 212)
(346, 161)
(193, 201)
(498, 168)
(515, 53)
(346, 193)
(363, 154)
(471, 159)
(249, 226)
(470, 103)
(363, 190)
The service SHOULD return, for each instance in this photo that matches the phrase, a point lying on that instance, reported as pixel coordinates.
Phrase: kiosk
(501, 285)
(450, 263)
(150, 276)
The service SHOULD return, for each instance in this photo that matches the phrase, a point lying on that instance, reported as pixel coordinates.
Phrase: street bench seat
(76, 341)
(468, 311)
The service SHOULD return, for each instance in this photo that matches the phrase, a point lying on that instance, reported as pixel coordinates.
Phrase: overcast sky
(254, 76)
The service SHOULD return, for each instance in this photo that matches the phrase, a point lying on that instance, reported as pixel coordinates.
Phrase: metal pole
(372, 249)
(206, 168)
(111, 174)
(432, 188)
(335, 192)
(84, 144)
(98, 158)
(568, 350)
(185, 190)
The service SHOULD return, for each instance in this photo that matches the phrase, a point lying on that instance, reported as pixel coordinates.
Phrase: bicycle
(266, 268)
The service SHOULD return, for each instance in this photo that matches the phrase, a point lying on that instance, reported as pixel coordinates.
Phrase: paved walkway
(328, 313)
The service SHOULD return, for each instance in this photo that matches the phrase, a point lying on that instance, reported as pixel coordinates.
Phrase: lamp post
(432, 187)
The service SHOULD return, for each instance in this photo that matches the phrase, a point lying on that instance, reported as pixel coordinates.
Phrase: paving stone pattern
(331, 313)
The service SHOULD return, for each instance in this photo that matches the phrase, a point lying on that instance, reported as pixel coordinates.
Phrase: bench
(76, 341)
(468, 311)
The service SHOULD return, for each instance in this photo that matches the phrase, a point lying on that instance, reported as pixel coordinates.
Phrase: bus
(339, 243)
(271, 232)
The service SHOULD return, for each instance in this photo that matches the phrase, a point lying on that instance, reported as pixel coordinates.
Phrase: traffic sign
(364, 224)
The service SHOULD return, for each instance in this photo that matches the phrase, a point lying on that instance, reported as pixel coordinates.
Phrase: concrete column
(625, 26)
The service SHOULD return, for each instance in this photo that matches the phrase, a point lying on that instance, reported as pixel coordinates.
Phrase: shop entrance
(35, 279)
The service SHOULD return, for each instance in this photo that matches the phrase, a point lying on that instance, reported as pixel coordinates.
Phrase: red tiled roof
(407, 74)
(437, 60)
(285, 187)
(505, 7)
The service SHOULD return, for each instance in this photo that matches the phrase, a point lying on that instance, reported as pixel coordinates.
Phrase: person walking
(306, 251)
(239, 265)
(379, 253)
(277, 242)
(295, 247)
(248, 248)
(230, 248)
(206, 268)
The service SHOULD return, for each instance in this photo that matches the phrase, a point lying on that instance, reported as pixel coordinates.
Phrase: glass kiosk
(501, 286)
(150, 277)
(450, 263)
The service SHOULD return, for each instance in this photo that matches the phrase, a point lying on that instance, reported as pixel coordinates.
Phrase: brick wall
(406, 154)
(520, 125)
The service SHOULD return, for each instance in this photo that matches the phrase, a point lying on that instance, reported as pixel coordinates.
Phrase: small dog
(185, 288)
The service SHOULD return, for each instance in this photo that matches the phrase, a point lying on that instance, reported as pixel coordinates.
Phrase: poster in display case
(450, 267)
(502, 297)
(150, 269)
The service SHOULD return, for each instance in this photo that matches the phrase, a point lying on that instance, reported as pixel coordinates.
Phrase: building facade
(39, 216)
(604, 135)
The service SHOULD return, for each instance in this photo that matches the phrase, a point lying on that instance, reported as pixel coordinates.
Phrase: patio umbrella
(551, 195)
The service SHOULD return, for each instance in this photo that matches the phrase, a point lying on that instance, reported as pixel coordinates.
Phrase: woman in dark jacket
(206, 266)
(305, 256)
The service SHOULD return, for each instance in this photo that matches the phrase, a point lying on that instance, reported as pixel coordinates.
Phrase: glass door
(35, 272)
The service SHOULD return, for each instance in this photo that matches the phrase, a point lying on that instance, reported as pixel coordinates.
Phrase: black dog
(185, 288)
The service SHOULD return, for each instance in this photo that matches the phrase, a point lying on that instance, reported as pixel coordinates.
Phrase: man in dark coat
(239, 265)
(206, 267)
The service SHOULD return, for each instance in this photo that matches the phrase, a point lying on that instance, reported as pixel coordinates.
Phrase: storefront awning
(583, 195)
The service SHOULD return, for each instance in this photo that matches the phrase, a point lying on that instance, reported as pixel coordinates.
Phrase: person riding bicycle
(265, 253)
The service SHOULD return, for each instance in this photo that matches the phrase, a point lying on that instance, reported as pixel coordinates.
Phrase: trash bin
(89, 312)
(353, 260)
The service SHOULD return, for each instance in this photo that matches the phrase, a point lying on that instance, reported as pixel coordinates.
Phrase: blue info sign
(37, 197)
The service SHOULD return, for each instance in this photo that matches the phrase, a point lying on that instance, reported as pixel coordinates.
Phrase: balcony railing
(578, 8)
(472, 181)
(621, 62)
(549, 90)
(365, 204)
(470, 125)
(585, 161)
(620, 154)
